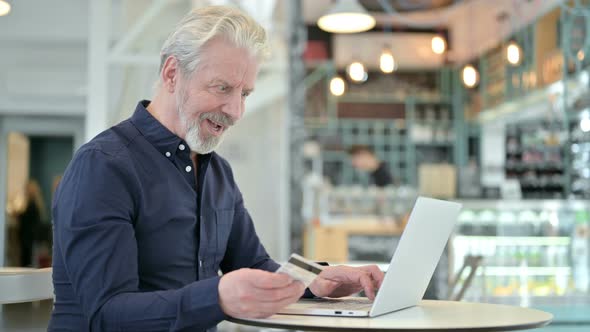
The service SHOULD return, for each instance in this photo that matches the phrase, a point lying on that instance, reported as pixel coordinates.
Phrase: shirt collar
(165, 141)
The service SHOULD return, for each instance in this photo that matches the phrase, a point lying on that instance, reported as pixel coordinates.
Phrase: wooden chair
(471, 262)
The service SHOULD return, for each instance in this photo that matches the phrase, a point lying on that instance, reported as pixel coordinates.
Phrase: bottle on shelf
(506, 224)
(581, 252)
(562, 279)
(526, 221)
(466, 219)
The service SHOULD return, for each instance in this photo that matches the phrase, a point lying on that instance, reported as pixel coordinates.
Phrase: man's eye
(245, 94)
(223, 88)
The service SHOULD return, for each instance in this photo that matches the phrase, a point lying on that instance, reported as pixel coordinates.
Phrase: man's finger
(376, 274)
(275, 295)
(367, 284)
(376, 285)
(265, 309)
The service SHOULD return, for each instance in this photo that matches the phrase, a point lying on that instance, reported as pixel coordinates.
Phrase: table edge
(325, 328)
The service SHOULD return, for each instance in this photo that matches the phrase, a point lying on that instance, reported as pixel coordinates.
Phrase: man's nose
(234, 108)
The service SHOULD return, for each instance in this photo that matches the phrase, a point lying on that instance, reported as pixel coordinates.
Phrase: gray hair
(199, 26)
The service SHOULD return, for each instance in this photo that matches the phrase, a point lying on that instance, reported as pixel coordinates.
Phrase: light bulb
(581, 55)
(439, 45)
(4, 8)
(356, 72)
(387, 62)
(470, 76)
(337, 86)
(513, 53)
(585, 124)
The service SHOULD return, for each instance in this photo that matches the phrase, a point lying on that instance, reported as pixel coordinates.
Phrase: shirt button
(181, 147)
(188, 169)
(168, 154)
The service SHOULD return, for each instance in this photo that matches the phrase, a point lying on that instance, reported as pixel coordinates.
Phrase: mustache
(221, 118)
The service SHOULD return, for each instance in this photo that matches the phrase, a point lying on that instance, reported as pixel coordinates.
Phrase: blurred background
(477, 101)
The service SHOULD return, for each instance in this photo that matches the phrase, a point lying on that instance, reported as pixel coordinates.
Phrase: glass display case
(580, 148)
(535, 158)
(535, 252)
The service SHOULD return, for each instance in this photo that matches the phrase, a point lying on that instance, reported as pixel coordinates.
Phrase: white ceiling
(313, 9)
(473, 23)
(410, 50)
(473, 26)
(43, 56)
(48, 21)
(43, 52)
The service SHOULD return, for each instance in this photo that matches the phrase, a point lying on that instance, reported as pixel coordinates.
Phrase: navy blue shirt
(139, 237)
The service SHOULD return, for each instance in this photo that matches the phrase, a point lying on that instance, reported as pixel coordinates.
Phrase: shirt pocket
(224, 220)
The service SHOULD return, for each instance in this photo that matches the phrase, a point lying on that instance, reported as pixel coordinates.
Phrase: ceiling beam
(140, 25)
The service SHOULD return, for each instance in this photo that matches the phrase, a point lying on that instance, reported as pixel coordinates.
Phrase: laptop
(412, 265)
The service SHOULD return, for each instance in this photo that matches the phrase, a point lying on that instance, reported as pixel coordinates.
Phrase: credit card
(301, 269)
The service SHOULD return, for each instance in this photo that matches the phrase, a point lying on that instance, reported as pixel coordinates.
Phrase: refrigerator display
(534, 253)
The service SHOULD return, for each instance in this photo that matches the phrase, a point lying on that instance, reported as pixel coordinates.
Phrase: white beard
(193, 130)
(193, 136)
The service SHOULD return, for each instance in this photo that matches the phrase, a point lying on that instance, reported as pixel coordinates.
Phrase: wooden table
(25, 284)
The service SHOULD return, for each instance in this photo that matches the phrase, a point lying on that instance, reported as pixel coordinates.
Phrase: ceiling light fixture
(4, 8)
(337, 86)
(513, 53)
(438, 44)
(357, 72)
(387, 62)
(470, 76)
(346, 16)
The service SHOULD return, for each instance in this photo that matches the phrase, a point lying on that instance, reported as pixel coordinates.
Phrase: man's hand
(338, 281)
(251, 293)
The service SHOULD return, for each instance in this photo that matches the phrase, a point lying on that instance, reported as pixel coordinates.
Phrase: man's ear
(170, 74)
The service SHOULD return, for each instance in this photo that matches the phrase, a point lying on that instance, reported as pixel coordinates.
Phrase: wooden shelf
(330, 242)
(391, 98)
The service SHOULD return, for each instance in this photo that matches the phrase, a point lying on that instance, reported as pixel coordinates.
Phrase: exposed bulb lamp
(387, 62)
(337, 86)
(470, 76)
(513, 53)
(356, 72)
(438, 44)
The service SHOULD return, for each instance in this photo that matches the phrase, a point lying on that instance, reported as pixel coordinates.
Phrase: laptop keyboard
(348, 304)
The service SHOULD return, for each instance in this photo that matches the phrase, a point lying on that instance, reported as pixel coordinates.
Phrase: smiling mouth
(215, 127)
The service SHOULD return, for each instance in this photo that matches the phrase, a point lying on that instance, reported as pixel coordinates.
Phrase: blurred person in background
(29, 221)
(147, 214)
(364, 159)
